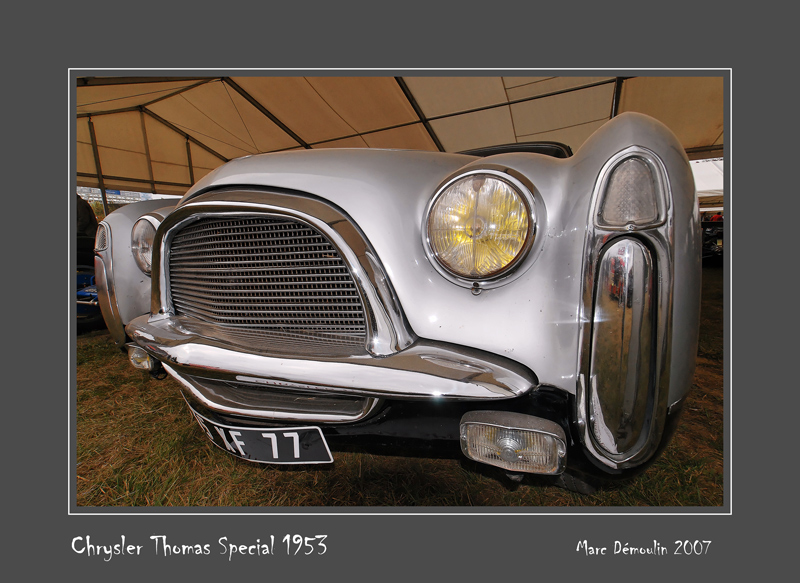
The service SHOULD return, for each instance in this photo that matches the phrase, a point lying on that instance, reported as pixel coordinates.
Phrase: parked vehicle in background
(88, 306)
(520, 306)
(713, 238)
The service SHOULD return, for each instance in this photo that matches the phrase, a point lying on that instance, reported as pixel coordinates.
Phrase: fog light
(514, 442)
(139, 358)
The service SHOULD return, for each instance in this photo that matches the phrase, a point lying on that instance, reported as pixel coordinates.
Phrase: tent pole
(147, 151)
(617, 96)
(418, 110)
(98, 167)
(189, 159)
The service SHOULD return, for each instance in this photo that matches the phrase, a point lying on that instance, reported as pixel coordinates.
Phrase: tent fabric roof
(709, 181)
(161, 134)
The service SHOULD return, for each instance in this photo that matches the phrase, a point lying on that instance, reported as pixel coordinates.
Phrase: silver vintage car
(535, 309)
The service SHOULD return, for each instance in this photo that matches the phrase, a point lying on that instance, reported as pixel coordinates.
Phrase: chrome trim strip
(425, 370)
(659, 239)
(229, 404)
(106, 294)
(388, 330)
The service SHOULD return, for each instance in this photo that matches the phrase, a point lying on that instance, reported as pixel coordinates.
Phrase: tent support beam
(98, 167)
(135, 180)
(617, 96)
(264, 111)
(189, 160)
(523, 99)
(705, 152)
(418, 110)
(176, 92)
(103, 81)
(147, 150)
(185, 135)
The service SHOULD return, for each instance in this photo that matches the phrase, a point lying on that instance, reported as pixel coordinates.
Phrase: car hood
(346, 177)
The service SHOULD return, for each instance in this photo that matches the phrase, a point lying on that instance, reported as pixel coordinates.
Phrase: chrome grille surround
(385, 328)
(265, 279)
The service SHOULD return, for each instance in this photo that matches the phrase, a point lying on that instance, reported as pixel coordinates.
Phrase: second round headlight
(142, 236)
(479, 226)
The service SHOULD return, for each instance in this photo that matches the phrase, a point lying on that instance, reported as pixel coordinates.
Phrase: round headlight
(479, 226)
(142, 236)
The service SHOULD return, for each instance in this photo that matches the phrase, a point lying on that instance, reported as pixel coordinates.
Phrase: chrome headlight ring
(143, 235)
(515, 238)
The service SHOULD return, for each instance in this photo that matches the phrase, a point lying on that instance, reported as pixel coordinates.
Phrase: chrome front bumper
(426, 370)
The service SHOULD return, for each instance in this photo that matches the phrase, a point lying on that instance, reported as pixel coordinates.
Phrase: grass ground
(138, 446)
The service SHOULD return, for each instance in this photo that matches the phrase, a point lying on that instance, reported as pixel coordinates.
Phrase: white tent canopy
(160, 134)
(709, 182)
(708, 176)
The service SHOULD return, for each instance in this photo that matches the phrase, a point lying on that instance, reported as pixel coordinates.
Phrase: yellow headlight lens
(479, 226)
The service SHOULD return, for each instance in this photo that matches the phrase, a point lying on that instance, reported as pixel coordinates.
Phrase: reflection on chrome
(421, 371)
(626, 317)
(621, 358)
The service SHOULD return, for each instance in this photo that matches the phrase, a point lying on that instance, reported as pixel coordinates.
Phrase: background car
(88, 306)
(713, 239)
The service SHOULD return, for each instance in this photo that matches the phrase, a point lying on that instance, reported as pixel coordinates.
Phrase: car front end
(539, 314)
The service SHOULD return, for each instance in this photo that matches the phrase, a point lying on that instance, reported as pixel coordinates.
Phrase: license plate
(269, 445)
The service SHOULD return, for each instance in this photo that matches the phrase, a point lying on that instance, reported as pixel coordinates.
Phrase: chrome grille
(273, 276)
